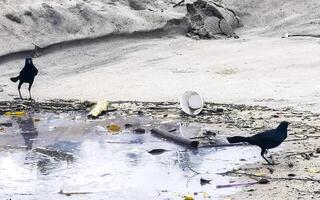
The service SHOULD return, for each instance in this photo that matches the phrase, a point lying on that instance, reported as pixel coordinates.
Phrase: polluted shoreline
(68, 145)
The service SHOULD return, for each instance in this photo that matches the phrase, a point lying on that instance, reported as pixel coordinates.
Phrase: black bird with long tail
(27, 75)
(266, 140)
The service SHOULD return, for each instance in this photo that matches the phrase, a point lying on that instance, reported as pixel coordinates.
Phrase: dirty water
(106, 166)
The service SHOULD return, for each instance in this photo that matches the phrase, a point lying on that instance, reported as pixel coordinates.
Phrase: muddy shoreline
(297, 172)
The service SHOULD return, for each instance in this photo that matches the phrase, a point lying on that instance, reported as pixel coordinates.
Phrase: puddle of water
(103, 169)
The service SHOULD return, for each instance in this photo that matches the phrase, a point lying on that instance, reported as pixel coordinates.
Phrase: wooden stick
(175, 138)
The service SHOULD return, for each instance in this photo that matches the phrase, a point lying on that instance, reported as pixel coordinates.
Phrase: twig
(73, 193)
(272, 178)
(299, 153)
(178, 4)
(301, 35)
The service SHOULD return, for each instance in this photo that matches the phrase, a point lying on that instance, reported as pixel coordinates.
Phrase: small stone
(263, 181)
(1, 90)
(140, 131)
(291, 175)
(219, 110)
(290, 165)
(318, 150)
(128, 125)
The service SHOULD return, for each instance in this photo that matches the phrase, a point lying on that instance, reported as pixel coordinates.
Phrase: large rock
(209, 19)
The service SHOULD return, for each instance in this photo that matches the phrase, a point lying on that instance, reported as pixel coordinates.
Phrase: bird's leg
(262, 154)
(19, 86)
(30, 84)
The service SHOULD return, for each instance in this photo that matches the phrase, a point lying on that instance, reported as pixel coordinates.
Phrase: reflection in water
(28, 131)
(120, 170)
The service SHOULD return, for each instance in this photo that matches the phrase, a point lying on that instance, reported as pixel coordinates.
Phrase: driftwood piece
(302, 35)
(174, 138)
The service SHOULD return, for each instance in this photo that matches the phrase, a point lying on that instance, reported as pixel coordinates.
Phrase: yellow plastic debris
(19, 113)
(313, 170)
(100, 107)
(114, 128)
(260, 174)
(187, 197)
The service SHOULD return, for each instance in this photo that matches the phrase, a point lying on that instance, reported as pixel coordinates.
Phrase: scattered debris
(139, 131)
(272, 178)
(72, 193)
(114, 128)
(157, 151)
(290, 165)
(301, 35)
(99, 108)
(13, 18)
(261, 181)
(175, 138)
(204, 181)
(313, 170)
(188, 197)
(17, 113)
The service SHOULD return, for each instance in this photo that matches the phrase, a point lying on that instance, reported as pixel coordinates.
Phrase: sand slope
(258, 68)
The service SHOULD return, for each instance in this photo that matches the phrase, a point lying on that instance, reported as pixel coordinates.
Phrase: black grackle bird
(266, 140)
(26, 75)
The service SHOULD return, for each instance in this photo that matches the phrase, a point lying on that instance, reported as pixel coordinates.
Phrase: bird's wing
(269, 135)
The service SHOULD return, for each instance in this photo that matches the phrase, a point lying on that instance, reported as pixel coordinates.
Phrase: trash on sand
(260, 174)
(18, 113)
(191, 103)
(175, 138)
(188, 197)
(99, 108)
(72, 193)
(157, 151)
(1, 129)
(114, 128)
(204, 181)
(313, 170)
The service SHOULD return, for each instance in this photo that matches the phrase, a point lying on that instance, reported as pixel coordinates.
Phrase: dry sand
(260, 68)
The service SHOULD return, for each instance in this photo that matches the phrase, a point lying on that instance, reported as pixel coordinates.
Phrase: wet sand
(228, 120)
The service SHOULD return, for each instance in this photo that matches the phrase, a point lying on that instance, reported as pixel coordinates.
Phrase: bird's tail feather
(237, 139)
(14, 79)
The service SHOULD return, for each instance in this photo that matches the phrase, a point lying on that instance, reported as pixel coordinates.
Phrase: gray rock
(209, 19)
